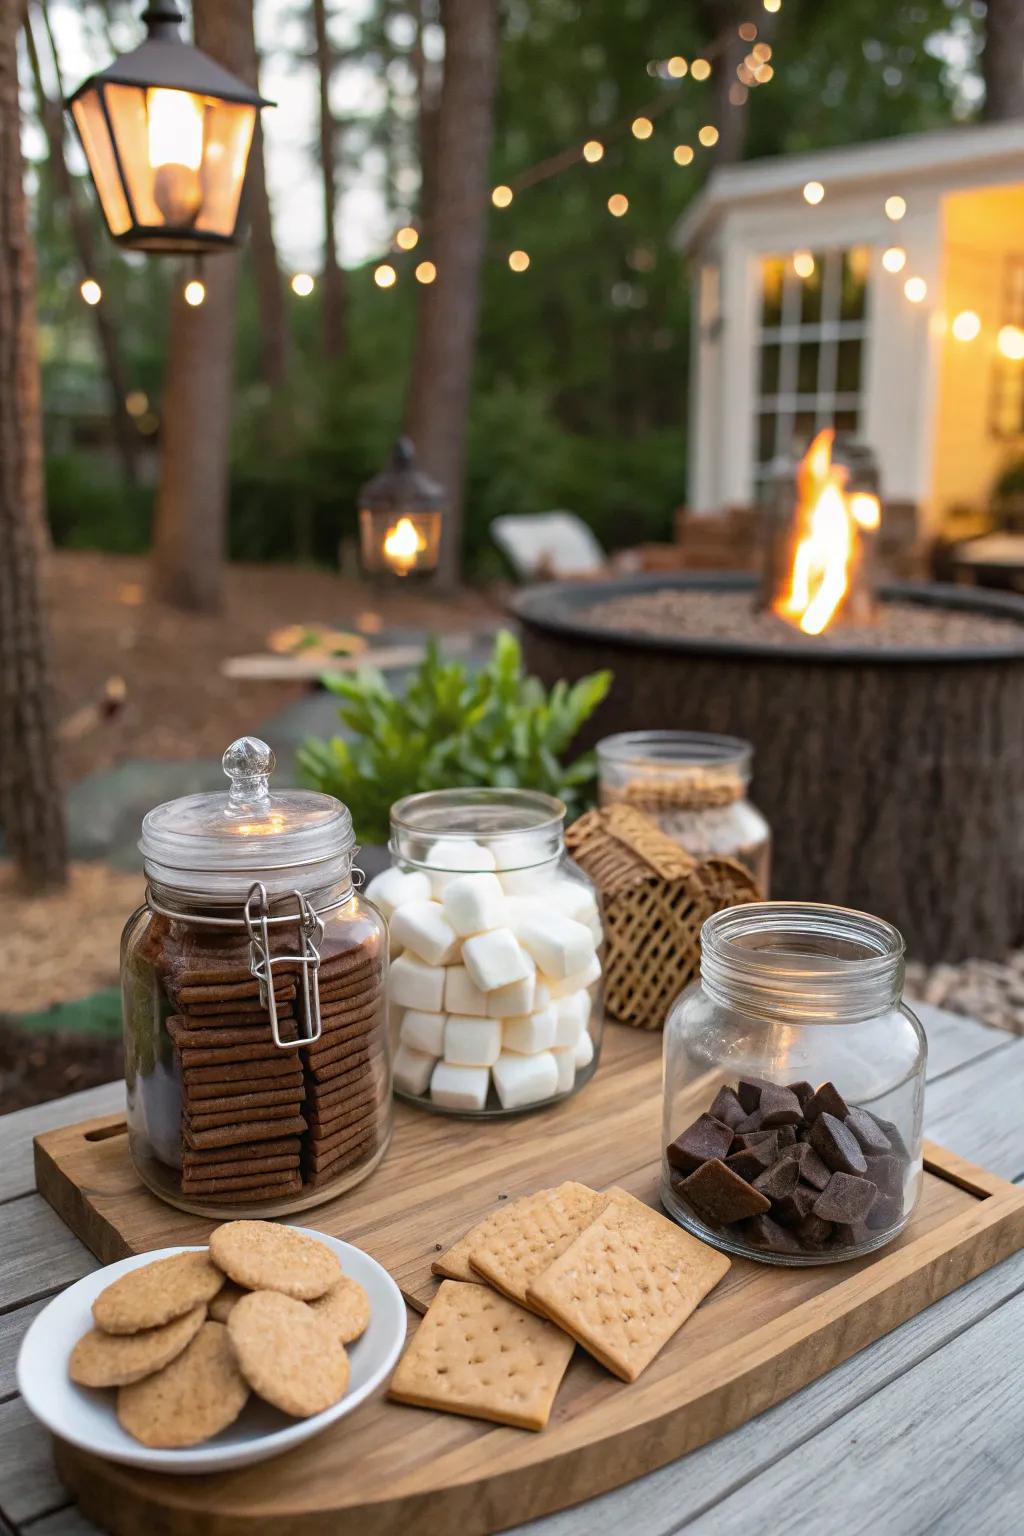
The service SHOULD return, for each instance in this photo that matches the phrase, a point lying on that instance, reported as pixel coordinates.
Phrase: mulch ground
(36, 1066)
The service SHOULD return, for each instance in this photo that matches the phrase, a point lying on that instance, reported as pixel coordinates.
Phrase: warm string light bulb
(501, 196)
(700, 69)
(677, 66)
(737, 94)
(895, 208)
(618, 204)
(708, 135)
(407, 238)
(593, 151)
(1010, 343)
(894, 259)
(682, 154)
(916, 289)
(385, 275)
(747, 31)
(195, 292)
(425, 272)
(803, 264)
(772, 6)
(90, 290)
(302, 284)
(518, 261)
(813, 192)
(966, 325)
(641, 127)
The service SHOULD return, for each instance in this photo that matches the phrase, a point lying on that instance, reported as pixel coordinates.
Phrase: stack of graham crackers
(346, 1069)
(534, 1278)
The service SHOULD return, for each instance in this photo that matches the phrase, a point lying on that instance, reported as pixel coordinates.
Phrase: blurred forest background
(579, 387)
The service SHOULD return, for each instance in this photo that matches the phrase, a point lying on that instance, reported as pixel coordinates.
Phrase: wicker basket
(655, 898)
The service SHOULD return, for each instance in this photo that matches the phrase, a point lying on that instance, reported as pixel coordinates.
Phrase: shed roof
(939, 156)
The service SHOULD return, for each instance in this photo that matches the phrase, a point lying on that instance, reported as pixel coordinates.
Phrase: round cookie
(200, 1393)
(156, 1293)
(289, 1356)
(345, 1308)
(222, 1304)
(116, 1359)
(262, 1256)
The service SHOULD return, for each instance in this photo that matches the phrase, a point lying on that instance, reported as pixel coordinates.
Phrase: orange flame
(403, 545)
(828, 523)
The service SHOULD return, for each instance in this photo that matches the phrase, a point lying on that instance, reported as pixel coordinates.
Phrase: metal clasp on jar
(262, 962)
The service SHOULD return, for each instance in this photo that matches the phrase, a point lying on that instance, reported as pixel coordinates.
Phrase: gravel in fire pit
(692, 614)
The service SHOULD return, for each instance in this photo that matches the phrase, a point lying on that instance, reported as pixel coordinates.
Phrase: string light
(501, 196)
(763, 73)
(894, 259)
(803, 263)
(425, 272)
(593, 151)
(744, 74)
(915, 289)
(195, 293)
(813, 192)
(762, 52)
(518, 261)
(136, 402)
(618, 204)
(708, 135)
(385, 275)
(407, 238)
(302, 284)
(1010, 343)
(966, 325)
(90, 290)
(641, 127)
(700, 69)
(772, 6)
(682, 154)
(747, 31)
(895, 208)
(737, 94)
(677, 66)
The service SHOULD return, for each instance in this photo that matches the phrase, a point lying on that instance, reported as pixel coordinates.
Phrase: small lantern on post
(400, 512)
(167, 132)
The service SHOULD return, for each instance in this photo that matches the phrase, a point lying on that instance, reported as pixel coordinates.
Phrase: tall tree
(721, 19)
(275, 332)
(442, 370)
(1002, 59)
(191, 505)
(31, 805)
(333, 277)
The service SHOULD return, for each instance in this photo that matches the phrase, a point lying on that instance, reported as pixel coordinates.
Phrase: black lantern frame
(400, 517)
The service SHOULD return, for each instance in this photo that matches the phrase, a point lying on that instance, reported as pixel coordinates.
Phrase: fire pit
(889, 758)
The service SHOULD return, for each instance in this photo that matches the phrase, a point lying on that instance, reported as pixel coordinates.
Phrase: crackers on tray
(187, 1339)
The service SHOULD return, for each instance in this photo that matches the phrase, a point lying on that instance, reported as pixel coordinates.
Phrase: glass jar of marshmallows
(496, 941)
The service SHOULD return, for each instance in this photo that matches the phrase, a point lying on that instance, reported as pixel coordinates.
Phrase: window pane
(856, 264)
(807, 368)
(765, 438)
(772, 270)
(810, 298)
(848, 367)
(770, 369)
(846, 421)
(803, 431)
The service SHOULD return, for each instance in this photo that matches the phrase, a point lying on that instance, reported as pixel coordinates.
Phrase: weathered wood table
(919, 1435)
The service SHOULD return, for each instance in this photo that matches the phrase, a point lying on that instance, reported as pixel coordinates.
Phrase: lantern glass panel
(91, 123)
(229, 130)
(398, 541)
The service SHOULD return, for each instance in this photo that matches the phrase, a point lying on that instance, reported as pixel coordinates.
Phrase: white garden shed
(877, 288)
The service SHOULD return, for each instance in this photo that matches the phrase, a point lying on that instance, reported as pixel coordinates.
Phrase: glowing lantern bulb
(403, 545)
(174, 130)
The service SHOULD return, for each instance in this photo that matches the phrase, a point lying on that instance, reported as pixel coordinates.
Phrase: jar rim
(415, 813)
(676, 749)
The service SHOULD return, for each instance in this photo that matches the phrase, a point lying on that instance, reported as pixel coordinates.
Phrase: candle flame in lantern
(828, 522)
(403, 545)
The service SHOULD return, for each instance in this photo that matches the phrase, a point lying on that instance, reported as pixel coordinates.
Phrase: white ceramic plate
(87, 1417)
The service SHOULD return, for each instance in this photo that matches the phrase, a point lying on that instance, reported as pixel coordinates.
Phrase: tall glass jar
(253, 982)
(794, 1086)
(695, 787)
(496, 944)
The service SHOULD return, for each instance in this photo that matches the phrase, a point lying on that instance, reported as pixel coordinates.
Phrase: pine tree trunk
(442, 371)
(426, 115)
(275, 332)
(334, 304)
(722, 20)
(190, 533)
(31, 804)
(1003, 60)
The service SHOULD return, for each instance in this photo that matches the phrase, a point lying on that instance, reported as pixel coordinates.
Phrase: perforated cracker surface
(533, 1234)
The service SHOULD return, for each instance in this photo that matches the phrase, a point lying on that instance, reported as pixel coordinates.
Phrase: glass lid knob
(248, 763)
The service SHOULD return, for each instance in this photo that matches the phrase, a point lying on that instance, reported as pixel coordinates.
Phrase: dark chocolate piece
(747, 1139)
(779, 1107)
(886, 1212)
(748, 1091)
(794, 1208)
(826, 1100)
(847, 1236)
(751, 1122)
(778, 1180)
(704, 1139)
(763, 1232)
(836, 1146)
(803, 1091)
(786, 1135)
(868, 1132)
(719, 1195)
(887, 1172)
(750, 1163)
(896, 1141)
(845, 1199)
(813, 1232)
(727, 1108)
(812, 1169)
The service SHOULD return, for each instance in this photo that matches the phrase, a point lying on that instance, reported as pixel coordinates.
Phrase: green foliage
(451, 728)
(89, 506)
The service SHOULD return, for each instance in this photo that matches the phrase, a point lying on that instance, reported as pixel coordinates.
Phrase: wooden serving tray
(764, 1333)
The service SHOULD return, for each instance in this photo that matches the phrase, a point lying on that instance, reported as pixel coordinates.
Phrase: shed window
(1007, 413)
(812, 344)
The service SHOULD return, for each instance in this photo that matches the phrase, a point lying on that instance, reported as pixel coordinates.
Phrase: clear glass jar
(695, 787)
(254, 1000)
(496, 945)
(794, 1086)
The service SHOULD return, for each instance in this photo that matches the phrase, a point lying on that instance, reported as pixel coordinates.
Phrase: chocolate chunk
(836, 1146)
(747, 1139)
(887, 1172)
(786, 1135)
(845, 1199)
(886, 1212)
(719, 1195)
(896, 1141)
(763, 1232)
(778, 1180)
(749, 1123)
(812, 1169)
(751, 1163)
(795, 1207)
(868, 1132)
(851, 1236)
(727, 1108)
(704, 1139)
(779, 1107)
(812, 1232)
(748, 1091)
(803, 1091)
(827, 1100)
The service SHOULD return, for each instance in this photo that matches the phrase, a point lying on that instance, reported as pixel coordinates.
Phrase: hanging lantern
(167, 133)
(400, 513)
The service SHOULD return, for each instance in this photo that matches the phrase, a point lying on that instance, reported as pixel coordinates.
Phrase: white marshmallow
(514, 850)
(561, 986)
(423, 1031)
(566, 1070)
(452, 856)
(583, 1051)
(560, 946)
(523, 1080)
(518, 910)
(412, 1070)
(571, 1014)
(415, 985)
(472, 1042)
(518, 997)
(393, 887)
(474, 903)
(531, 881)
(459, 1087)
(572, 899)
(494, 959)
(422, 927)
(461, 995)
(532, 1033)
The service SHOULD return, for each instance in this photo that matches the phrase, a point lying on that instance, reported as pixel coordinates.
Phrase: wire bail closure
(261, 962)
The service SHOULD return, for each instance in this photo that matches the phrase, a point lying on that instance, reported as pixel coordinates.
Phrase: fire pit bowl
(889, 761)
